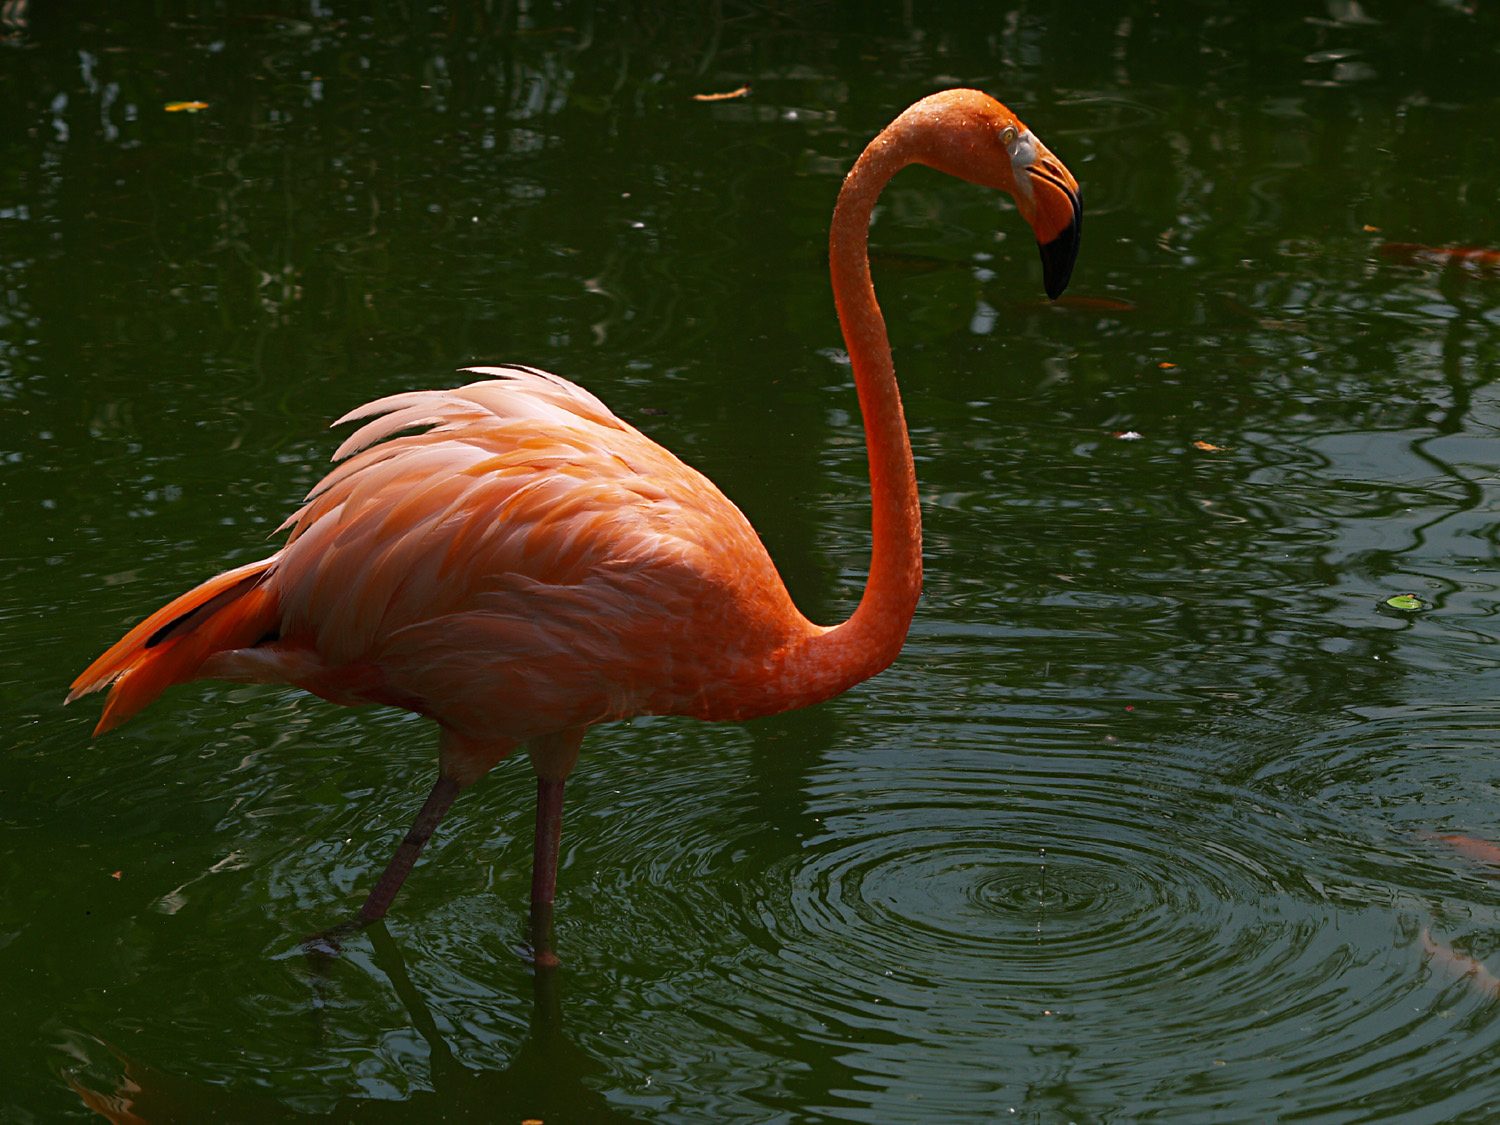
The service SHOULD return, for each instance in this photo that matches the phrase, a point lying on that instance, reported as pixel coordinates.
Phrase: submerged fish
(1481, 851)
(1472, 256)
(1460, 965)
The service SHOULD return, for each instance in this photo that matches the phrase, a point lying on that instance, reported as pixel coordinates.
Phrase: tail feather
(232, 610)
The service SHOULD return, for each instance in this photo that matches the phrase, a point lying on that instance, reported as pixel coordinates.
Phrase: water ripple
(969, 916)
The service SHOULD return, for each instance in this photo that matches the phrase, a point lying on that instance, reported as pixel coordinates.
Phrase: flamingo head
(970, 135)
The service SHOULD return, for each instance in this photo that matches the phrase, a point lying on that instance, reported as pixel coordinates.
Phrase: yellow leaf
(186, 107)
(1206, 445)
(740, 93)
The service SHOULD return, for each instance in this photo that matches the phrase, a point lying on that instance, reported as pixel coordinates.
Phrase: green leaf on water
(1406, 602)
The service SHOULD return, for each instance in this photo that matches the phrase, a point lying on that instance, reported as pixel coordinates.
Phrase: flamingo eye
(1008, 136)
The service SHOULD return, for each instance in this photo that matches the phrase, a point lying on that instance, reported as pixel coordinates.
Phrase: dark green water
(1139, 828)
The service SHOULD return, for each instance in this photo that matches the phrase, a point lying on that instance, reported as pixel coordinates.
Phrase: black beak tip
(1059, 255)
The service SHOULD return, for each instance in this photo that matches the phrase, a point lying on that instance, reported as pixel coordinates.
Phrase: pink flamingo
(511, 560)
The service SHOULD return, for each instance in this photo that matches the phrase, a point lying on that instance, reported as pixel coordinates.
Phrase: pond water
(1164, 813)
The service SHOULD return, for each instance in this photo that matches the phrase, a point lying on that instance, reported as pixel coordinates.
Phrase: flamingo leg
(553, 758)
(384, 893)
(549, 806)
(549, 803)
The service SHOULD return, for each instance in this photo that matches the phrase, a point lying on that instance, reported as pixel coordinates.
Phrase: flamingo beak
(1057, 222)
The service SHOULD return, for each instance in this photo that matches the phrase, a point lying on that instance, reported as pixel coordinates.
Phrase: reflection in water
(13, 19)
(548, 1079)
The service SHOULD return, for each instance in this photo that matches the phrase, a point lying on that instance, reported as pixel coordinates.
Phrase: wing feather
(517, 512)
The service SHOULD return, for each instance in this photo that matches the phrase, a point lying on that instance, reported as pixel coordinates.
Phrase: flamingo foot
(328, 943)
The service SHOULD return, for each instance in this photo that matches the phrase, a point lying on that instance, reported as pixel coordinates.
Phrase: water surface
(1145, 824)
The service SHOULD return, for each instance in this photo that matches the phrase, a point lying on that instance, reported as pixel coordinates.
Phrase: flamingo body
(524, 564)
(513, 561)
(528, 563)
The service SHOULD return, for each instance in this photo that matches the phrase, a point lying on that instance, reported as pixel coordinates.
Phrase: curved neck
(872, 638)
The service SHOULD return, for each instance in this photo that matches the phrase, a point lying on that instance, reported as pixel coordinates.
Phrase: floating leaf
(1166, 364)
(1208, 446)
(186, 107)
(740, 93)
(1406, 602)
(1369, 229)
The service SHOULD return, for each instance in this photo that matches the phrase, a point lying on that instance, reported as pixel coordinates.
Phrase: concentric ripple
(1098, 892)
(962, 917)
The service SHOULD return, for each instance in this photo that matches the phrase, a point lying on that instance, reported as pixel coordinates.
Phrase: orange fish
(1481, 851)
(1472, 256)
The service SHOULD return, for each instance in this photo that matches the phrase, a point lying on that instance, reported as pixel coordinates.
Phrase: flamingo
(511, 560)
